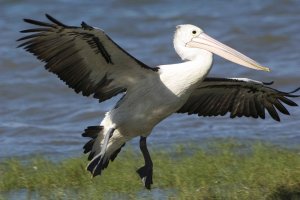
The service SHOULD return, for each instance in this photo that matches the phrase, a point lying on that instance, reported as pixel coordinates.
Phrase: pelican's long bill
(206, 42)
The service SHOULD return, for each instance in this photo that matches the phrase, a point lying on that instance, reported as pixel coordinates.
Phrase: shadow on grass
(285, 193)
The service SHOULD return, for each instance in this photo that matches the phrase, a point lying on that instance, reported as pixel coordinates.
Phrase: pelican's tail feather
(99, 157)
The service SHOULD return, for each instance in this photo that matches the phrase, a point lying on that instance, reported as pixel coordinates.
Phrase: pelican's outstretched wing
(85, 58)
(240, 97)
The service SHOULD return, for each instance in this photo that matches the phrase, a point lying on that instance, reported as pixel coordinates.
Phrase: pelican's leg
(146, 171)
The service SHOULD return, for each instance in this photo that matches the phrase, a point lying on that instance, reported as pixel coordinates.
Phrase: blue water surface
(41, 115)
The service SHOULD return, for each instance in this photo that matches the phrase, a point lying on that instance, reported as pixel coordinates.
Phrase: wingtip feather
(38, 23)
(55, 21)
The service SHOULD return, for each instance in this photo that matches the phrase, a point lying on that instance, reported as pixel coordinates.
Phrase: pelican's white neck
(183, 77)
(197, 68)
(198, 61)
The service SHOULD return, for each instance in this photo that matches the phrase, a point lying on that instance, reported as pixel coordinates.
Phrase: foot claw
(145, 174)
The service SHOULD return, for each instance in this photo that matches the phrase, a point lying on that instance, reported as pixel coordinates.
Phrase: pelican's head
(190, 42)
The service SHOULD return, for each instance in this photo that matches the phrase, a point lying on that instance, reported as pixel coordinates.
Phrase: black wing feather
(218, 96)
(39, 23)
(85, 58)
(55, 21)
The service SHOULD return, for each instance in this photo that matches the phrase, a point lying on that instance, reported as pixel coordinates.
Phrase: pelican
(91, 63)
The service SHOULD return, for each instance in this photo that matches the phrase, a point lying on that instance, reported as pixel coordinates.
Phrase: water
(40, 115)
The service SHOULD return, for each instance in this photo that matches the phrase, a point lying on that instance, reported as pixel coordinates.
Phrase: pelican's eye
(194, 32)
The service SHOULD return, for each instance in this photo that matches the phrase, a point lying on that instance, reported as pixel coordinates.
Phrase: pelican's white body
(144, 107)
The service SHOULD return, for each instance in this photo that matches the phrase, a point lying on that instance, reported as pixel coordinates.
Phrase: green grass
(223, 171)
